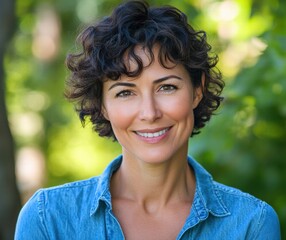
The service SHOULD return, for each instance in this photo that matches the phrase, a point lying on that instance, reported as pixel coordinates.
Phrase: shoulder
(244, 207)
(77, 186)
(41, 213)
(231, 193)
(67, 194)
(60, 199)
(235, 198)
(78, 194)
(53, 212)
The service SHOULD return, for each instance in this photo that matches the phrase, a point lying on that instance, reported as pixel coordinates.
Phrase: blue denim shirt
(83, 210)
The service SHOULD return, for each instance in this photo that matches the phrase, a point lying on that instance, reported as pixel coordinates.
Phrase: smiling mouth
(153, 134)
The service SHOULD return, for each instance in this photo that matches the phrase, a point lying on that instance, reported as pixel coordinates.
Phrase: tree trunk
(9, 199)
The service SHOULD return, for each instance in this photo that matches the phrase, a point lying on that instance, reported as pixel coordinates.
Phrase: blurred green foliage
(243, 146)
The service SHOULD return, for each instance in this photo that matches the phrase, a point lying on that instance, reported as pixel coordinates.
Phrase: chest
(137, 224)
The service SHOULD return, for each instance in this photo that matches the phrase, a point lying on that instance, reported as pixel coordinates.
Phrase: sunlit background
(243, 146)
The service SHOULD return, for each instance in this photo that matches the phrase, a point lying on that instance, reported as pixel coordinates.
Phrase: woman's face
(152, 114)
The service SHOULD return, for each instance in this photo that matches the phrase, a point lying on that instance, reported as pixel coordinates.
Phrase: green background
(244, 145)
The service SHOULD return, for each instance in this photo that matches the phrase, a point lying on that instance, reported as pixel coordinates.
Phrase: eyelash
(123, 94)
(168, 88)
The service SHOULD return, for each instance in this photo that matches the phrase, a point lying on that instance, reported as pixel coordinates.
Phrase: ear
(198, 92)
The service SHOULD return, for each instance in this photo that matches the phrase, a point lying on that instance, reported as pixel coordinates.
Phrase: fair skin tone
(152, 118)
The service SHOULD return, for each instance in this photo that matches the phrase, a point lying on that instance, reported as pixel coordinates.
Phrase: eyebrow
(129, 84)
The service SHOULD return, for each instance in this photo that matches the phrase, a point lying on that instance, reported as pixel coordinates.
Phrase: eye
(124, 94)
(168, 88)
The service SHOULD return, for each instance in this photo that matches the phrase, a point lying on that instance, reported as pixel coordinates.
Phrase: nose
(149, 109)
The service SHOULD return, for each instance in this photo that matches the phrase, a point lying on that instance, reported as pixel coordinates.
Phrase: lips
(152, 133)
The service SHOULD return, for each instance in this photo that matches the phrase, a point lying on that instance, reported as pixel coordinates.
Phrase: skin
(152, 118)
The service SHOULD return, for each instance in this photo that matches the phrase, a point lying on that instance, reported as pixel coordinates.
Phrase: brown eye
(168, 88)
(123, 94)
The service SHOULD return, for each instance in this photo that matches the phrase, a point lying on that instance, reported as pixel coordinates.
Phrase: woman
(145, 78)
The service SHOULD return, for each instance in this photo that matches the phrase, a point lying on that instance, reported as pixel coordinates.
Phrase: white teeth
(152, 135)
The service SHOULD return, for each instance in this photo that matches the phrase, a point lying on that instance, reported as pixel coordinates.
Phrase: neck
(154, 185)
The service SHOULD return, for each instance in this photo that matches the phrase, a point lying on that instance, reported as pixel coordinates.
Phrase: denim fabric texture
(83, 210)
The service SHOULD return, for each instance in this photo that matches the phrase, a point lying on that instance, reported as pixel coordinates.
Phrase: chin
(156, 158)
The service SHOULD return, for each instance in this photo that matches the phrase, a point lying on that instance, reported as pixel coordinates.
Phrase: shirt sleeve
(30, 223)
(268, 225)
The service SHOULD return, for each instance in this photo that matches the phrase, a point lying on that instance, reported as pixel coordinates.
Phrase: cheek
(181, 109)
(120, 117)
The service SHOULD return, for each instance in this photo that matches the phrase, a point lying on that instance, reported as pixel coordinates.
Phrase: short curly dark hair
(134, 23)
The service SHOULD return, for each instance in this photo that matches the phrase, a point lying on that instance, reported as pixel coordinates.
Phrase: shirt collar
(207, 199)
(102, 192)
